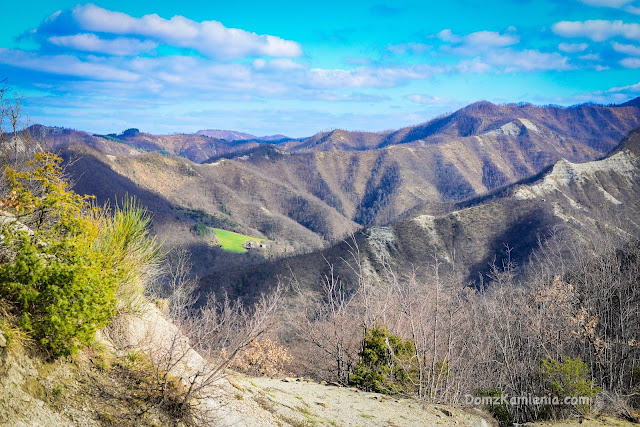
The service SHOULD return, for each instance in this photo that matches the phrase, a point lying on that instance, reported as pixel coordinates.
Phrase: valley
(307, 195)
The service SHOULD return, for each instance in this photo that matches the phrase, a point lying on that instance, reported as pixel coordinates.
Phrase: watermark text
(526, 400)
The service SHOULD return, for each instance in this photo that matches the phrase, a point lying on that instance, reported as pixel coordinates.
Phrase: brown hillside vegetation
(303, 198)
(197, 148)
(568, 199)
(468, 153)
(579, 123)
(182, 194)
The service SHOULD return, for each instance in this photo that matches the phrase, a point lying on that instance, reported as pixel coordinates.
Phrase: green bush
(385, 364)
(499, 410)
(201, 229)
(61, 278)
(559, 387)
(568, 378)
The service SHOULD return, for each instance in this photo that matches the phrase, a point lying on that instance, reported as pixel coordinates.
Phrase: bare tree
(16, 142)
(202, 342)
(577, 297)
(331, 323)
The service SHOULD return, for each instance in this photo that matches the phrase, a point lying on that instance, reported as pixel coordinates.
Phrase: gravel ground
(299, 402)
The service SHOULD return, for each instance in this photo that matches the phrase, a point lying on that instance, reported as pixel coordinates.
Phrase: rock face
(6, 219)
(22, 397)
(564, 173)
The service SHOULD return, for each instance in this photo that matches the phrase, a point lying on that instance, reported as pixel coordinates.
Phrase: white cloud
(210, 38)
(474, 43)
(369, 76)
(527, 60)
(509, 60)
(492, 51)
(180, 77)
(572, 47)
(489, 39)
(626, 5)
(278, 64)
(630, 88)
(350, 97)
(448, 36)
(607, 3)
(627, 49)
(427, 99)
(630, 63)
(475, 65)
(411, 48)
(93, 43)
(597, 30)
(65, 65)
(590, 57)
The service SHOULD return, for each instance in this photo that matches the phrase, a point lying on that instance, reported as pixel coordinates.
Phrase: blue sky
(301, 67)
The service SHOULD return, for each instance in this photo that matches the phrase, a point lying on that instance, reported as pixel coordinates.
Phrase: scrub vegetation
(69, 266)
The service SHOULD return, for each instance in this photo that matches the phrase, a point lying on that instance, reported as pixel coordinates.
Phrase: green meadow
(233, 242)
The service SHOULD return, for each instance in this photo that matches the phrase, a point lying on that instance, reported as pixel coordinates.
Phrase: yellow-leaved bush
(61, 275)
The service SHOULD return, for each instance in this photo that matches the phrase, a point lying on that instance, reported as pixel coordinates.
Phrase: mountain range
(565, 202)
(447, 184)
(232, 135)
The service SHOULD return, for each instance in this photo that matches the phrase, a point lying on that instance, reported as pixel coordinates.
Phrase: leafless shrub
(578, 298)
(331, 324)
(263, 357)
(16, 143)
(616, 405)
(203, 343)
